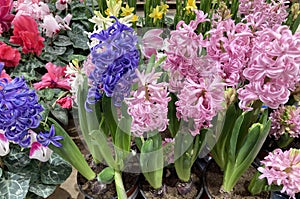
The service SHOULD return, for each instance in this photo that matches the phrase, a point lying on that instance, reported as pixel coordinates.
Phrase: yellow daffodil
(164, 8)
(127, 10)
(191, 5)
(107, 12)
(134, 18)
(156, 14)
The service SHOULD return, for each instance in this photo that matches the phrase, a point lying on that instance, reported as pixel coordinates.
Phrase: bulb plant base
(173, 187)
(212, 182)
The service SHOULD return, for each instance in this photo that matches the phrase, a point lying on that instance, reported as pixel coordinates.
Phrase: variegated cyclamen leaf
(0, 172)
(42, 190)
(62, 40)
(14, 186)
(55, 171)
(16, 159)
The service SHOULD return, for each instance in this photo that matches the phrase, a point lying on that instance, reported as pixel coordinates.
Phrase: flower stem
(119, 185)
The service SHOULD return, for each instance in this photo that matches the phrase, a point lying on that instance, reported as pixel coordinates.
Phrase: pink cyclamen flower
(37, 150)
(148, 105)
(36, 9)
(65, 102)
(50, 25)
(55, 78)
(200, 101)
(282, 168)
(4, 144)
(62, 4)
(151, 42)
(274, 67)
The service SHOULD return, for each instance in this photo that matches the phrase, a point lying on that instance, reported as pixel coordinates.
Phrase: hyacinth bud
(295, 10)
(230, 96)
(223, 11)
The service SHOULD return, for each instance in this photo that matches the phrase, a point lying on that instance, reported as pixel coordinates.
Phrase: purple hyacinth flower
(19, 110)
(115, 57)
(48, 137)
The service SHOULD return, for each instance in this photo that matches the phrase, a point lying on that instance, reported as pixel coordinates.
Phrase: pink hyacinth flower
(282, 168)
(148, 105)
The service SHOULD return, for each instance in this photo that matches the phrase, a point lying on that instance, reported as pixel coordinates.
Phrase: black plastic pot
(131, 193)
(198, 165)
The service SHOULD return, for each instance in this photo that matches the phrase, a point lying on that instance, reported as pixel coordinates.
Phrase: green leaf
(14, 186)
(106, 176)
(151, 160)
(55, 171)
(173, 120)
(61, 115)
(56, 50)
(16, 159)
(78, 57)
(70, 152)
(110, 114)
(62, 40)
(78, 36)
(0, 172)
(46, 56)
(42, 190)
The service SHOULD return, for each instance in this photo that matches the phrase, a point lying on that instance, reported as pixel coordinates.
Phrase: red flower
(3, 74)
(65, 102)
(54, 78)
(5, 14)
(26, 34)
(10, 56)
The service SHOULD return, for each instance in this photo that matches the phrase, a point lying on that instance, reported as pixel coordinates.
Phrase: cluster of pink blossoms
(283, 168)
(273, 69)
(195, 77)
(285, 119)
(230, 45)
(260, 14)
(41, 12)
(148, 105)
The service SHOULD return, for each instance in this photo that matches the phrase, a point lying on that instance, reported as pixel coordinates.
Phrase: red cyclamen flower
(6, 16)
(26, 35)
(55, 78)
(65, 102)
(10, 56)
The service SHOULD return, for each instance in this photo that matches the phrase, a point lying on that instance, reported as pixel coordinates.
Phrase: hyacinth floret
(273, 69)
(114, 54)
(49, 137)
(282, 168)
(148, 105)
(19, 110)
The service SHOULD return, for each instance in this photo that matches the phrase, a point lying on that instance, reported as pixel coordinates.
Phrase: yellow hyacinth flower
(126, 11)
(156, 14)
(191, 5)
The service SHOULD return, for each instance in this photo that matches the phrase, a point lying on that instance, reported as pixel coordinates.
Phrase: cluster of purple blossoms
(285, 119)
(148, 105)
(259, 14)
(19, 110)
(282, 168)
(115, 56)
(273, 69)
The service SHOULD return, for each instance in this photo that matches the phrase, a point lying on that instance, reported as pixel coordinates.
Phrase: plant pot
(212, 181)
(95, 190)
(170, 182)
